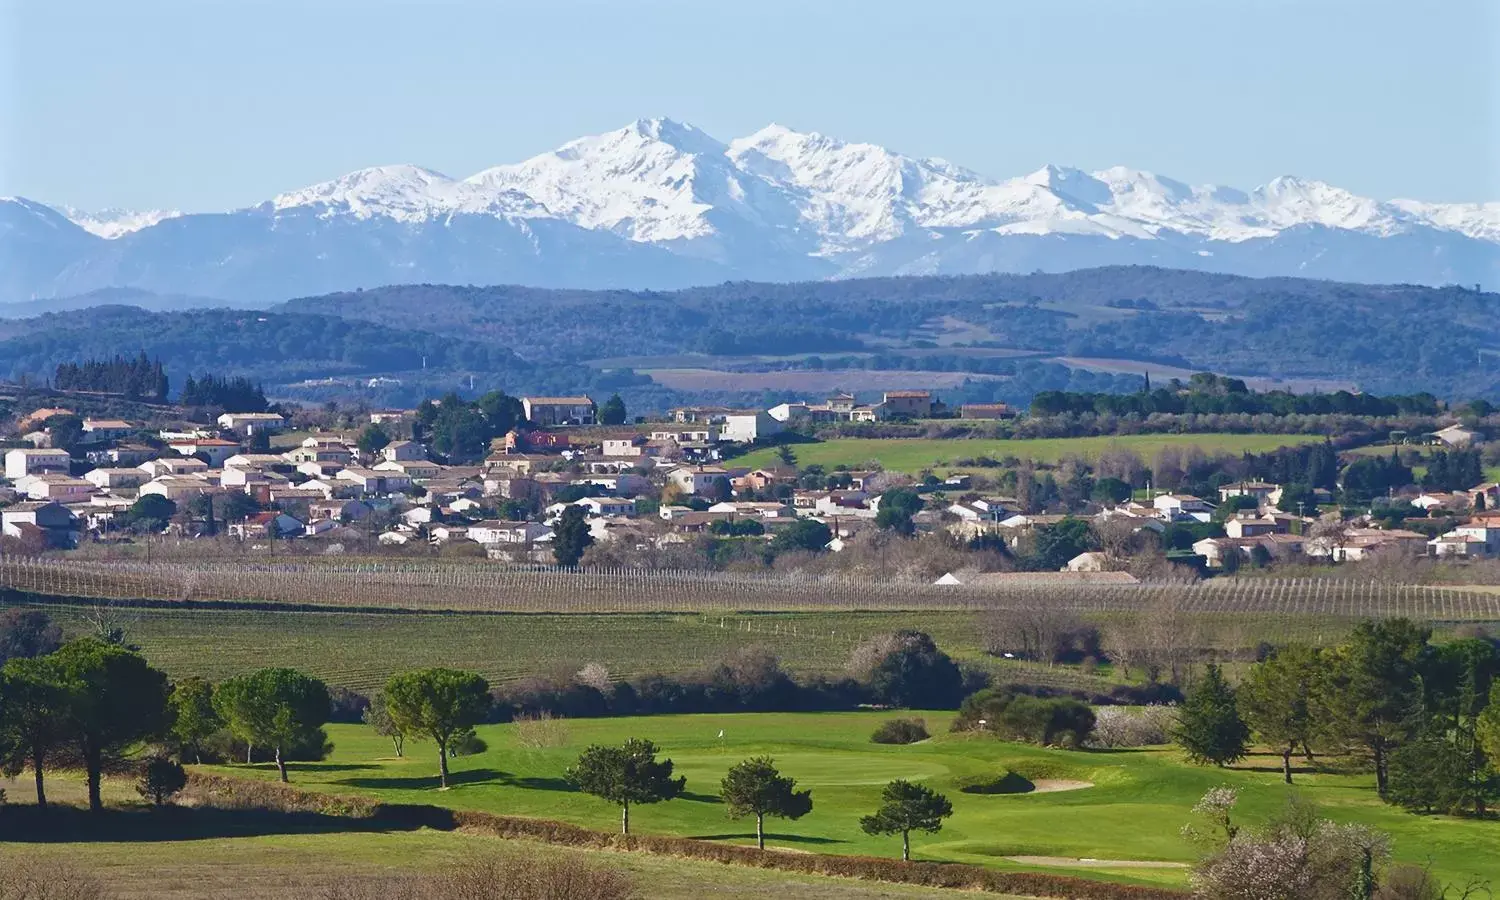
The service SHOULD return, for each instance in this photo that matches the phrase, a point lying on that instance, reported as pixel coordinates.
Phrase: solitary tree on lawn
(626, 774)
(755, 788)
(907, 807)
(275, 708)
(440, 703)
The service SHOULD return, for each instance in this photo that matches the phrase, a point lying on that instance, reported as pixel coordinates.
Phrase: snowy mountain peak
(670, 131)
(1287, 201)
(772, 131)
(402, 192)
(1125, 180)
(661, 136)
(1071, 184)
(852, 193)
(114, 222)
(654, 180)
(778, 135)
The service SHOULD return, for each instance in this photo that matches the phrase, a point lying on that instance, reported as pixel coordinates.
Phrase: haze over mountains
(660, 204)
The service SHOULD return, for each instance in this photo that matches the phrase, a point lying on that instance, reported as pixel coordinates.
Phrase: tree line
(138, 378)
(1207, 394)
(1425, 717)
(237, 394)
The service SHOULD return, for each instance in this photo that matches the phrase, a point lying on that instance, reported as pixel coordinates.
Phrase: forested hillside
(269, 347)
(1384, 337)
(1001, 337)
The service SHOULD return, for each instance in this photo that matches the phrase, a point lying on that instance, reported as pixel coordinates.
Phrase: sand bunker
(1096, 863)
(1053, 785)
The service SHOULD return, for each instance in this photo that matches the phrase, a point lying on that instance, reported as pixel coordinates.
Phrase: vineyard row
(540, 590)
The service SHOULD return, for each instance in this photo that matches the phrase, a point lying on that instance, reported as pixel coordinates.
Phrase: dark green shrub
(161, 780)
(981, 709)
(906, 669)
(1022, 717)
(900, 731)
(467, 744)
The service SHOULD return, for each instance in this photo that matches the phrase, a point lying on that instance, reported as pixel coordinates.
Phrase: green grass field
(361, 650)
(1133, 812)
(916, 454)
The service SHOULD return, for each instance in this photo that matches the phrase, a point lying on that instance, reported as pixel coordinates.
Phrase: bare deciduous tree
(541, 731)
(1121, 464)
(1171, 638)
(1166, 469)
(1033, 629)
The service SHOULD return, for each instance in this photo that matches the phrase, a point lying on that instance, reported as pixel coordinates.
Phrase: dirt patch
(1053, 785)
(1096, 863)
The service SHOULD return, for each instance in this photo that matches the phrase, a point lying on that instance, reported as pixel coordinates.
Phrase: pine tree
(1277, 697)
(755, 788)
(627, 774)
(906, 807)
(1209, 728)
(613, 411)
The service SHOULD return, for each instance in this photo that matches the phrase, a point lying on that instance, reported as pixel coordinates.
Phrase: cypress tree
(1209, 727)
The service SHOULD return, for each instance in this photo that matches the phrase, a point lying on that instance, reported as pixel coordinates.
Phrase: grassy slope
(278, 867)
(1140, 801)
(916, 454)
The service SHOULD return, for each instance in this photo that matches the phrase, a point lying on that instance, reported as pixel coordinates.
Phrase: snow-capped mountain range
(114, 222)
(660, 203)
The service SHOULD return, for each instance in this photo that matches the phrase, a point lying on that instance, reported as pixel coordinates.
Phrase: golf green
(1133, 812)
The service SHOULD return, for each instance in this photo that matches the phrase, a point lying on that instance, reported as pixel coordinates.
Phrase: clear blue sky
(211, 104)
